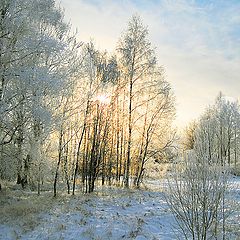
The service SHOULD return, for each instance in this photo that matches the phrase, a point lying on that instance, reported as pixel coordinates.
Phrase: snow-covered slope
(109, 213)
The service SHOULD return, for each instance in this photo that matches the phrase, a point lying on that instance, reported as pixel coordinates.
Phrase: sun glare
(103, 99)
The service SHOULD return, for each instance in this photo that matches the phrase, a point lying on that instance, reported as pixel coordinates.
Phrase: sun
(103, 99)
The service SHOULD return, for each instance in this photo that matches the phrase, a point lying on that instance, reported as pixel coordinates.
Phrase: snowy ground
(109, 213)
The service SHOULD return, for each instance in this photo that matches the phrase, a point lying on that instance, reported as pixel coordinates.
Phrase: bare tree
(138, 59)
(197, 197)
(189, 136)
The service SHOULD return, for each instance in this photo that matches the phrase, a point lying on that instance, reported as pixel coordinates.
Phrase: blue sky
(197, 41)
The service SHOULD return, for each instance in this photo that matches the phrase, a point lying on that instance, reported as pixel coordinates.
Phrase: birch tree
(138, 59)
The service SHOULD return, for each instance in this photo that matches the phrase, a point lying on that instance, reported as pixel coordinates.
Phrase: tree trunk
(78, 156)
(58, 163)
(129, 133)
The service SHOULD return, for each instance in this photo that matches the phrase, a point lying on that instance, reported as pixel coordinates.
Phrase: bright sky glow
(103, 99)
(197, 41)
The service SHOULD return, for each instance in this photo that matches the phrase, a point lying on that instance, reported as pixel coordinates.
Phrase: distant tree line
(217, 133)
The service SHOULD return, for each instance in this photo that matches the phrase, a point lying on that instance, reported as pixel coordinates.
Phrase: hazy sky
(197, 41)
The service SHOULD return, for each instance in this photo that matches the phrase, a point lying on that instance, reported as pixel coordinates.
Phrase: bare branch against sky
(198, 42)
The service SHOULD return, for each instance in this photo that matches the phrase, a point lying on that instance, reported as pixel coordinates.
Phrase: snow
(109, 213)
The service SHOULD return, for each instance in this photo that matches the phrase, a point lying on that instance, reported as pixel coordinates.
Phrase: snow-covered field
(109, 213)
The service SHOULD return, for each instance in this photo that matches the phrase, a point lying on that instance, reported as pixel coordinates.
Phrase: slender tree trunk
(87, 156)
(58, 163)
(143, 160)
(19, 155)
(79, 147)
(110, 164)
(117, 143)
(93, 154)
(128, 163)
(78, 157)
(121, 155)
